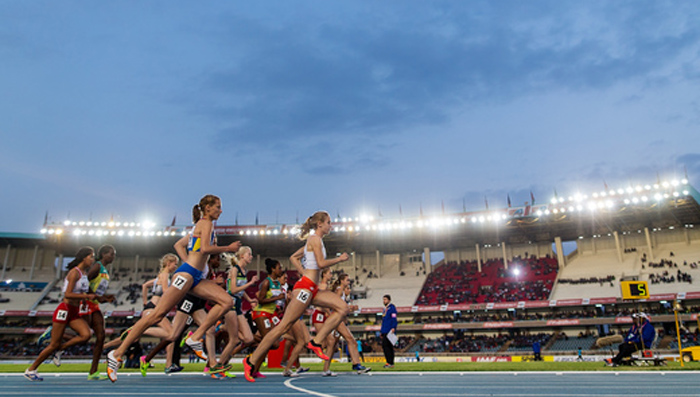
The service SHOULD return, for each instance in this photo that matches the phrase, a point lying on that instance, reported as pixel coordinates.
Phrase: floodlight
(627, 201)
(685, 192)
(112, 224)
(81, 223)
(554, 200)
(103, 224)
(43, 231)
(74, 223)
(66, 223)
(89, 224)
(76, 232)
(561, 199)
(638, 188)
(684, 181)
(620, 191)
(635, 200)
(644, 199)
(674, 182)
(91, 233)
(350, 228)
(539, 213)
(676, 194)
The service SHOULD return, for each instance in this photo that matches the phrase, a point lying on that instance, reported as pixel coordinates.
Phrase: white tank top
(82, 286)
(310, 259)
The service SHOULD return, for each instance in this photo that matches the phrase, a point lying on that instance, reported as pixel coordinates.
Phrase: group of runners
(212, 300)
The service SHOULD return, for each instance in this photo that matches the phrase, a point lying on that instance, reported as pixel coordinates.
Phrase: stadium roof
(660, 206)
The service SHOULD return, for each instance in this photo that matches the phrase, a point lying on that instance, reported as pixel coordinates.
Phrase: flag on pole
(509, 204)
(486, 202)
(400, 211)
(421, 209)
(443, 207)
(174, 220)
(532, 197)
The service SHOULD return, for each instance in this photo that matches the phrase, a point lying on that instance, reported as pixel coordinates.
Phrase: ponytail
(198, 209)
(80, 257)
(312, 222)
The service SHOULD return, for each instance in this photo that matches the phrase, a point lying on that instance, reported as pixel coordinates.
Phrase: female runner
(236, 322)
(305, 292)
(269, 293)
(68, 313)
(99, 281)
(187, 277)
(341, 288)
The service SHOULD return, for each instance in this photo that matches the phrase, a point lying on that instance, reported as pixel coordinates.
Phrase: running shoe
(33, 376)
(290, 374)
(329, 373)
(230, 374)
(259, 375)
(182, 341)
(173, 368)
(45, 336)
(301, 370)
(197, 347)
(218, 376)
(317, 349)
(143, 366)
(248, 370)
(388, 365)
(361, 369)
(113, 364)
(218, 326)
(97, 376)
(206, 370)
(220, 368)
(57, 358)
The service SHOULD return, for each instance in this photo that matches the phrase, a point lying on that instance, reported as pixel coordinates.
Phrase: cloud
(331, 78)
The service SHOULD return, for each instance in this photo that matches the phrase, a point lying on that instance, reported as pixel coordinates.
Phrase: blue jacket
(648, 333)
(389, 320)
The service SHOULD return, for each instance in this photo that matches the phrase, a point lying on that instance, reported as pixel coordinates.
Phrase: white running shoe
(197, 347)
(57, 358)
(113, 364)
(329, 373)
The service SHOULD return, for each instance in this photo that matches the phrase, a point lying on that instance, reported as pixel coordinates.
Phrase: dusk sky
(137, 109)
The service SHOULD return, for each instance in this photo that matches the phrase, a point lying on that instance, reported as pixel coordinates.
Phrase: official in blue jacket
(639, 337)
(389, 323)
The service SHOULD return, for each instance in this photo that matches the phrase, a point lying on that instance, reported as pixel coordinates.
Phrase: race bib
(303, 296)
(179, 282)
(62, 315)
(186, 306)
(102, 288)
(267, 323)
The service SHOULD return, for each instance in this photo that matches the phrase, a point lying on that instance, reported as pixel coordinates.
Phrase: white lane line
(289, 384)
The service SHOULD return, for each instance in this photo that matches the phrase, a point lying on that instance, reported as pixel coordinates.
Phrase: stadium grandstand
(505, 278)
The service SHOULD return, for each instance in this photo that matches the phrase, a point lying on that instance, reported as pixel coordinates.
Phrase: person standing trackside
(389, 323)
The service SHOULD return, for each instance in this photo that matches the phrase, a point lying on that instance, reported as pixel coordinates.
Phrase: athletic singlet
(82, 286)
(99, 284)
(274, 289)
(241, 280)
(195, 243)
(284, 288)
(157, 289)
(310, 259)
